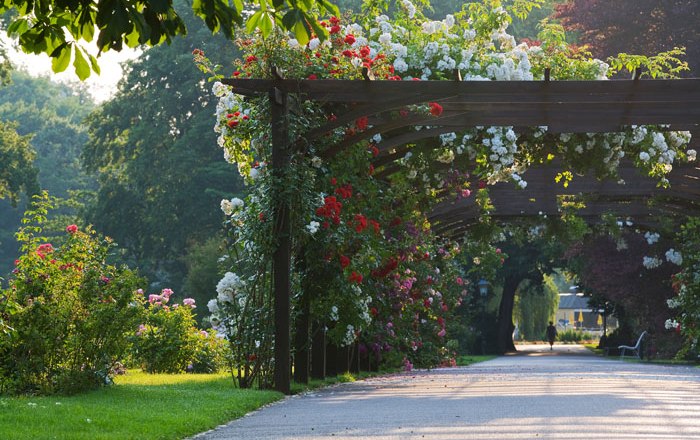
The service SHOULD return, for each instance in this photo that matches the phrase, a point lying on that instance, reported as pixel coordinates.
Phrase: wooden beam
(281, 258)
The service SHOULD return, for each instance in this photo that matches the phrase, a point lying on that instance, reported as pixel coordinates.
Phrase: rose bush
(67, 313)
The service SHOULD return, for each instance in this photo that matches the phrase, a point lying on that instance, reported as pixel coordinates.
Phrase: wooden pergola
(562, 106)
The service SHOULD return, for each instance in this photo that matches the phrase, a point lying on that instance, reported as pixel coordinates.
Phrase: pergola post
(281, 258)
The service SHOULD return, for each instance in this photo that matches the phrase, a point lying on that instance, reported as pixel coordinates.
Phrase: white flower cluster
(334, 314)
(671, 324)
(349, 336)
(673, 303)
(651, 262)
(674, 256)
(410, 8)
(692, 155)
(651, 237)
(364, 309)
(230, 206)
(657, 149)
(313, 227)
(227, 287)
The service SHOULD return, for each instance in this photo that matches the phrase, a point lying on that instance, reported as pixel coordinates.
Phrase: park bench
(636, 349)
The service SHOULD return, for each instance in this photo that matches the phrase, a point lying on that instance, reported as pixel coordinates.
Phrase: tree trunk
(505, 316)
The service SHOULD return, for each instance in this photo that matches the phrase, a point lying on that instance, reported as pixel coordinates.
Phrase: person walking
(551, 335)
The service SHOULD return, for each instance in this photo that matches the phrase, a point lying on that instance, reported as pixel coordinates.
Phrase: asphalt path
(566, 393)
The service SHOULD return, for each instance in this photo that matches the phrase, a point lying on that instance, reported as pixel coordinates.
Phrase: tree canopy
(155, 155)
(638, 26)
(60, 28)
(45, 118)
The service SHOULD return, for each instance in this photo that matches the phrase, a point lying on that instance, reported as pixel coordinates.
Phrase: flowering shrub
(686, 286)
(168, 340)
(67, 312)
(365, 252)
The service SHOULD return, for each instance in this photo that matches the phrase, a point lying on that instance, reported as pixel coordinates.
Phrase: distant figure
(551, 335)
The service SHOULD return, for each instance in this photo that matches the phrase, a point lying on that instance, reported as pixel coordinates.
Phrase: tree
(59, 28)
(47, 119)
(642, 26)
(159, 169)
(614, 268)
(16, 171)
(535, 306)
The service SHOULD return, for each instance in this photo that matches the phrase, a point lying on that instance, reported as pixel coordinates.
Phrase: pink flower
(71, 229)
(442, 333)
(460, 281)
(142, 328)
(204, 333)
(154, 298)
(166, 292)
(45, 248)
(189, 302)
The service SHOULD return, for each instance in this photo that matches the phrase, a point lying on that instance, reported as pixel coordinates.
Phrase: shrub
(169, 341)
(212, 353)
(571, 335)
(67, 312)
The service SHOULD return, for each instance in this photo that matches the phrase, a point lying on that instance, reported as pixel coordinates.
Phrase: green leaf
(93, 64)
(18, 27)
(82, 68)
(253, 21)
(61, 58)
(301, 32)
(295, 21)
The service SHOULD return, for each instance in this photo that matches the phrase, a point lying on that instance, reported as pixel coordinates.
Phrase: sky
(101, 87)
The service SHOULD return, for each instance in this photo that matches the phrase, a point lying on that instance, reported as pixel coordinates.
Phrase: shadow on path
(566, 393)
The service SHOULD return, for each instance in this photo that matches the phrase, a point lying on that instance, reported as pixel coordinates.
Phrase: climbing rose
(71, 229)
(435, 109)
(355, 277)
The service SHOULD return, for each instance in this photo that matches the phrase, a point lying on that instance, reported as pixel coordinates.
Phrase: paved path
(564, 394)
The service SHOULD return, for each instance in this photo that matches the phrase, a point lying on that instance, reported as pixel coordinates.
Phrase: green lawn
(465, 360)
(140, 406)
(146, 407)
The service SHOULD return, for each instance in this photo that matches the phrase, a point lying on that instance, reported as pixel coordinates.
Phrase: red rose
(344, 261)
(349, 39)
(361, 123)
(334, 29)
(71, 229)
(312, 76)
(435, 109)
(355, 277)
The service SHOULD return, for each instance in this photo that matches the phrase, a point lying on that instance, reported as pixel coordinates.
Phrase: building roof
(570, 301)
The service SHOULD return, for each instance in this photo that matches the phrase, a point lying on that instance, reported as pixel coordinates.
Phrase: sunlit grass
(140, 406)
(466, 360)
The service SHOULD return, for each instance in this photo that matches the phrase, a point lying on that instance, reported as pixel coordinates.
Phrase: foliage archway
(363, 176)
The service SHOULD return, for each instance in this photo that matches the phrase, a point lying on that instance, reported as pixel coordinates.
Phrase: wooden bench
(636, 349)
